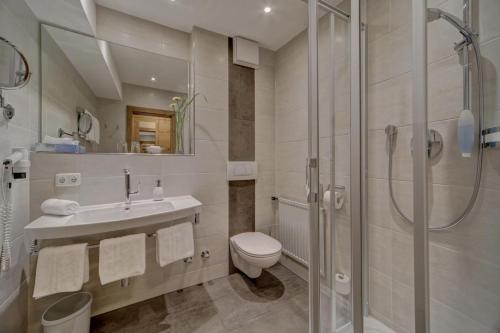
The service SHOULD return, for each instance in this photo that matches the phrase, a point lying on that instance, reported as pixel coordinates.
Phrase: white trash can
(70, 314)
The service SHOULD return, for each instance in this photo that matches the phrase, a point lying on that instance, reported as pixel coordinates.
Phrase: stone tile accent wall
(241, 145)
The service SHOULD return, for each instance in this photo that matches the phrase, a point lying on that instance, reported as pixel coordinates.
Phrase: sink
(112, 217)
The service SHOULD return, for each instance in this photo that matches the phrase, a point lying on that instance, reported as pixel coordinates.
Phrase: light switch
(68, 179)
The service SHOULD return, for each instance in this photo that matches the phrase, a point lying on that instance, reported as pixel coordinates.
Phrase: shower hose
(479, 162)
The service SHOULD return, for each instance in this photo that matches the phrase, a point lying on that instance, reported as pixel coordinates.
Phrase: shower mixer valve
(434, 141)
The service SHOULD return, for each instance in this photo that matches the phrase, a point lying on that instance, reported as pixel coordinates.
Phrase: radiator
(293, 231)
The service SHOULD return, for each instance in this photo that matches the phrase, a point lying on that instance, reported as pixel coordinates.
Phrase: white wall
(203, 176)
(64, 90)
(264, 140)
(18, 25)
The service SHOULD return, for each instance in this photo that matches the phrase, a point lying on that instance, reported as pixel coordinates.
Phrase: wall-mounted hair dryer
(15, 166)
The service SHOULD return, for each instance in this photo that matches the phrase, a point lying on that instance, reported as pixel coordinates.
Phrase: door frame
(142, 111)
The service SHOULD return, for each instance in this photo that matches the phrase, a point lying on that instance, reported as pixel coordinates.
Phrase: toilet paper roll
(326, 198)
(342, 284)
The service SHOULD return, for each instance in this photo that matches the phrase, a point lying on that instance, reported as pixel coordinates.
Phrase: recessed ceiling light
(153, 79)
(267, 9)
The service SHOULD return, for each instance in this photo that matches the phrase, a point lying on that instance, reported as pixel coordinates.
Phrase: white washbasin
(112, 217)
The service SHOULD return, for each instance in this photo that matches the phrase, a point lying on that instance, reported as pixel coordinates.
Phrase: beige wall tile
(380, 290)
(378, 18)
(465, 284)
(447, 320)
(445, 89)
(389, 102)
(489, 25)
(380, 249)
(403, 308)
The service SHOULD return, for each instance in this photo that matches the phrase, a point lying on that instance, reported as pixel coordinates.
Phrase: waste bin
(70, 314)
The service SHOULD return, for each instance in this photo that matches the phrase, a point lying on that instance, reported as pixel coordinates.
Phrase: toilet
(253, 251)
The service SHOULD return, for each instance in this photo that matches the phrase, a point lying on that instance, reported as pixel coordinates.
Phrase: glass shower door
(329, 167)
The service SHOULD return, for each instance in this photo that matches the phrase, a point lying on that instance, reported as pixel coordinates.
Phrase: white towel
(122, 257)
(61, 269)
(59, 207)
(174, 243)
(95, 131)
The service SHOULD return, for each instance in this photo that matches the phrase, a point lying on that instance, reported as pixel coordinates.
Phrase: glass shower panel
(388, 267)
(334, 155)
(464, 261)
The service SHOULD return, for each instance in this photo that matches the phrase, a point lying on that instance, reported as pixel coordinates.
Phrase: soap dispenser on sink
(158, 191)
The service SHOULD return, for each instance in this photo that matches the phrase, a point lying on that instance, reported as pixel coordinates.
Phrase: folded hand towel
(122, 257)
(59, 207)
(61, 269)
(174, 243)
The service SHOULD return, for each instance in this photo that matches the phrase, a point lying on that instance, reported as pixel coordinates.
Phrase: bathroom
(249, 166)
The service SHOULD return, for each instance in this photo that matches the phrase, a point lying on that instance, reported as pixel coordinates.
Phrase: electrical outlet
(68, 179)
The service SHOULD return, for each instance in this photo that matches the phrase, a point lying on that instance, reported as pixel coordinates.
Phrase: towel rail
(35, 246)
(36, 250)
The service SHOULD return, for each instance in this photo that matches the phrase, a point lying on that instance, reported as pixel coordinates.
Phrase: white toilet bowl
(253, 251)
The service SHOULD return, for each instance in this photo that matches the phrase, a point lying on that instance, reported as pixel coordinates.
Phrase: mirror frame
(191, 92)
(27, 74)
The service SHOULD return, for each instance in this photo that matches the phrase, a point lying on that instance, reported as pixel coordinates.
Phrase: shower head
(434, 14)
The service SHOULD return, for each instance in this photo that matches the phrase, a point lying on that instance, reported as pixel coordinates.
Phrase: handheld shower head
(434, 14)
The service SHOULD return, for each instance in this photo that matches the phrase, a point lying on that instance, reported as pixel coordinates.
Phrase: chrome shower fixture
(434, 14)
(391, 131)
(436, 141)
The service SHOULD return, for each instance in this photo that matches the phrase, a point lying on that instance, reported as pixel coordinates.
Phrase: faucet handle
(138, 188)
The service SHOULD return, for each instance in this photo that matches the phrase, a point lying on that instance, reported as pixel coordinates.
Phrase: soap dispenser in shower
(465, 133)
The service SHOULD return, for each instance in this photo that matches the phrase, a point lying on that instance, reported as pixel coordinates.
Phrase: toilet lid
(256, 244)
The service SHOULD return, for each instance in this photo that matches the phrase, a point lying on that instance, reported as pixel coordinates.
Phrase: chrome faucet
(128, 193)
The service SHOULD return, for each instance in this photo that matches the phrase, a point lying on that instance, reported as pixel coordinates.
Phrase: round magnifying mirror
(14, 68)
(84, 123)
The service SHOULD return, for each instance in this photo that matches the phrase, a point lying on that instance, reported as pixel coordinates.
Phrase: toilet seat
(256, 244)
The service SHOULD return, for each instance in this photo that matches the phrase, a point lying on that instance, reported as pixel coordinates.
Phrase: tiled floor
(276, 302)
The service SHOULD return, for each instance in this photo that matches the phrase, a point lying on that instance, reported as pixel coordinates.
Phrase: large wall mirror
(100, 97)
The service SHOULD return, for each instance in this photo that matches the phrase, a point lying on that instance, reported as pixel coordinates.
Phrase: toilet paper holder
(339, 195)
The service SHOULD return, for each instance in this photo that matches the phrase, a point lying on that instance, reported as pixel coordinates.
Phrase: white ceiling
(87, 58)
(245, 18)
(137, 67)
(79, 15)
(104, 72)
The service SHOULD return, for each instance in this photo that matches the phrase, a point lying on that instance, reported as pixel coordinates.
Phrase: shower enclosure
(402, 175)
